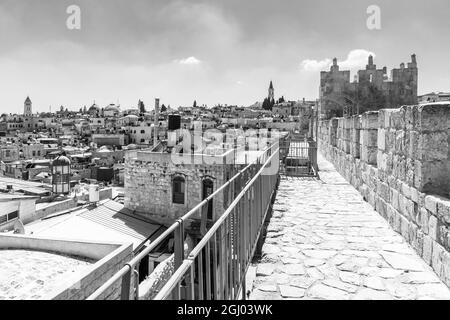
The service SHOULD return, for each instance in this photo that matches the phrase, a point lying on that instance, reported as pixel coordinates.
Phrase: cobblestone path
(325, 242)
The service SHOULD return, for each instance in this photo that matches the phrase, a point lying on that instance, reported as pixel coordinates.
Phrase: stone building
(372, 89)
(163, 189)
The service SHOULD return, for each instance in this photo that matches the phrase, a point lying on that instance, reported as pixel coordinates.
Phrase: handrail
(190, 262)
(125, 270)
(219, 221)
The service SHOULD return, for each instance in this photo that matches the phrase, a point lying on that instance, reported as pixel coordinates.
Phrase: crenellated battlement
(398, 159)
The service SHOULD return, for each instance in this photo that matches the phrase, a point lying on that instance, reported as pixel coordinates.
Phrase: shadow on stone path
(325, 242)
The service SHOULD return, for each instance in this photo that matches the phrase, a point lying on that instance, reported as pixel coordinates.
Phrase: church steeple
(271, 91)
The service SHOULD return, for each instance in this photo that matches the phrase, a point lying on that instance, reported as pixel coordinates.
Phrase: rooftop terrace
(29, 274)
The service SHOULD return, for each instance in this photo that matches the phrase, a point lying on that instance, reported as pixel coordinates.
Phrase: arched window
(178, 190)
(207, 190)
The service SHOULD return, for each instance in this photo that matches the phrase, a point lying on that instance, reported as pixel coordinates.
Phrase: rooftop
(29, 274)
(109, 221)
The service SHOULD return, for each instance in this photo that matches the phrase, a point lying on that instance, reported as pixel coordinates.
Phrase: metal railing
(216, 267)
(251, 190)
(298, 157)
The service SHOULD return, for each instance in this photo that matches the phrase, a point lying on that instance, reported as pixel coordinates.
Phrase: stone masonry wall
(398, 159)
(148, 188)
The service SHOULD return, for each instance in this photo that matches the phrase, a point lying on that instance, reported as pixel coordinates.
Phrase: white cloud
(189, 61)
(314, 65)
(355, 59)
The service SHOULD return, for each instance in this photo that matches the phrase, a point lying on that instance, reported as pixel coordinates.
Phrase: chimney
(155, 123)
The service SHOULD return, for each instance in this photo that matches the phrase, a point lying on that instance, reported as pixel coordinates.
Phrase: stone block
(397, 222)
(394, 199)
(369, 154)
(413, 145)
(424, 218)
(432, 176)
(406, 206)
(384, 117)
(381, 139)
(443, 235)
(431, 204)
(446, 268)
(406, 190)
(409, 172)
(404, 229)
(433, 227)
(443, 209)
(390, 214)
(416, 238)
(369, 120)
(399, 142)
(436, 257)
(398, 119)
(433, 146)
(427, 249)
(399, 167)
(410, 114)
(414, 195)
(383, 191)
(432, 117)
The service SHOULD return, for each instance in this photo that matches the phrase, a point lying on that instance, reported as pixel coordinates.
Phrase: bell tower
(27, 111)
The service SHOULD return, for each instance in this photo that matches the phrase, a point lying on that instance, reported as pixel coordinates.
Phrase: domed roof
(112, 107)
(61, 161)
(94, 108)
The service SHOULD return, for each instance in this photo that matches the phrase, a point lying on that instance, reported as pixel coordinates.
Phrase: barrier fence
(298, 157)
(216, 267)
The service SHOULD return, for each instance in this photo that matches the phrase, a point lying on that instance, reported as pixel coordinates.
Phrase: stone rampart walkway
(325, 242)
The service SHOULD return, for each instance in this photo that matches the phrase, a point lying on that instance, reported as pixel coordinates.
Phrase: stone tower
(271, 92)
(27, 111)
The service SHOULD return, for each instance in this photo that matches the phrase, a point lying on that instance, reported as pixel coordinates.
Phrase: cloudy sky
(214, 51)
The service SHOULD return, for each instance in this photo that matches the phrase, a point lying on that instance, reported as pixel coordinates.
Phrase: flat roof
(28, 274)
(31, 187)
(109, 221)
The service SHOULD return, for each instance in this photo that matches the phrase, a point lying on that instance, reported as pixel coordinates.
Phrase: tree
(267, 104)
(163, 108)
(141, 107)
(195, 104)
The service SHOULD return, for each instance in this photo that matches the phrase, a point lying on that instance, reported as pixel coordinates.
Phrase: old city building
(372, 89)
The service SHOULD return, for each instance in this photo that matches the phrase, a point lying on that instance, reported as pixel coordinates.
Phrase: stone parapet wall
(398, 159)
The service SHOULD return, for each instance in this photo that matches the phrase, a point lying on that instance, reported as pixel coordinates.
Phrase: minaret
(156, 122)
(27, 111)
(271, 91)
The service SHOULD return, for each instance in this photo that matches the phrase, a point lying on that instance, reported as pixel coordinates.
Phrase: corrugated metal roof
(114, 216)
